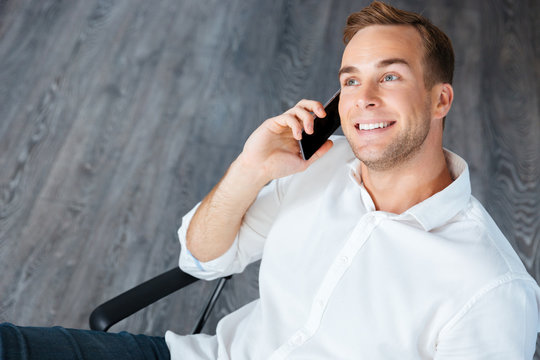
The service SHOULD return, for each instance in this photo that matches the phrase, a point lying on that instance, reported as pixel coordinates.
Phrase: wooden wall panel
(117, 116)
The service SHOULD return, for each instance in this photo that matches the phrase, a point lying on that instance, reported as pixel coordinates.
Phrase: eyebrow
(388, 62)
(381, 64)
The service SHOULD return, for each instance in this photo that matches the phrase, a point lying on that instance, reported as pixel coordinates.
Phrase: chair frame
(139, 297)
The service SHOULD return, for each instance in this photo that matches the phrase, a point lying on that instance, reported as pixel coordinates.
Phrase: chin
(367, 153)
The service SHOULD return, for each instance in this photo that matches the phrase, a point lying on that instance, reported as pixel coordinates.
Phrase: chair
(137, 298)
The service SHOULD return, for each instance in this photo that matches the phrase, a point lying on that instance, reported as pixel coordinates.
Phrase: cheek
(408, 105)
(344, 107)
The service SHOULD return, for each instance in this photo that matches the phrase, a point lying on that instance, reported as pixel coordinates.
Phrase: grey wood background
(117, 116)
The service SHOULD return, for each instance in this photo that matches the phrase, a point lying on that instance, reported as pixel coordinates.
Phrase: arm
(271, 152)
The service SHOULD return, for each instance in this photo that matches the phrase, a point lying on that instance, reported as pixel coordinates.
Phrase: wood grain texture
(117, 116)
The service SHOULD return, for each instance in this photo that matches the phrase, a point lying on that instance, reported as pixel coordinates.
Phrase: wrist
(251, 172)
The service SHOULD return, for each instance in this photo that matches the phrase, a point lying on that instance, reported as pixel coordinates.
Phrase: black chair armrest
(131, 301)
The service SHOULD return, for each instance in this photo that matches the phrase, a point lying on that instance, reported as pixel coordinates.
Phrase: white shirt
(340, 280)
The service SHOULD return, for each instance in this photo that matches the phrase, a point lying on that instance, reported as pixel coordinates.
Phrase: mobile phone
(322, 128)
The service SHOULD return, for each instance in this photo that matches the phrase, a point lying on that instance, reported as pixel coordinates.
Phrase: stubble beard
(403, 148)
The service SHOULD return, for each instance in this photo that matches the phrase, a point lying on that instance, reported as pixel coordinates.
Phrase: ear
(443, 102)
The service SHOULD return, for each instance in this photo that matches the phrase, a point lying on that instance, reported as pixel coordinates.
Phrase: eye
(351, 82)
(390, 77)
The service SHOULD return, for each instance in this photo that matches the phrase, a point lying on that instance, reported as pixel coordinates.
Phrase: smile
(373, 126)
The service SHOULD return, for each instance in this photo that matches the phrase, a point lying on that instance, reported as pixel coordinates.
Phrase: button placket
(354, 243)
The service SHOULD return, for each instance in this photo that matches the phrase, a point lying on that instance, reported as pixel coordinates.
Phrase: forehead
(377, 42)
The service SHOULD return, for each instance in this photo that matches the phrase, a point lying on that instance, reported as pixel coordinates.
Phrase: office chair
(137, 298)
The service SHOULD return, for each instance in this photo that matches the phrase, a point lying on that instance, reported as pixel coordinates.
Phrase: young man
(372, 249)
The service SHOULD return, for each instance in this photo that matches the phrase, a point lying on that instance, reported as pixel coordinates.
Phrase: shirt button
(298, 339)
(344, 260)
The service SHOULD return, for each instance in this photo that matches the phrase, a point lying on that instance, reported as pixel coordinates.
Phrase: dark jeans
(29, 343)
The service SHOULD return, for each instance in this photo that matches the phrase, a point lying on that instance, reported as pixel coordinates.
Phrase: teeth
(373, 126)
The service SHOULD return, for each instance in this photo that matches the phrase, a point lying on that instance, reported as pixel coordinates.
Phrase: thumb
(322, 150)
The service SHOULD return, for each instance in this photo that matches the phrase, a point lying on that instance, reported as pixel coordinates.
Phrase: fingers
(303, 117)
(300, 117)
(313, 106)
(292, 121)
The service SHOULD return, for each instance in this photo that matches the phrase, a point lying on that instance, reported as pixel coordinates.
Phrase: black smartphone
(322, 128)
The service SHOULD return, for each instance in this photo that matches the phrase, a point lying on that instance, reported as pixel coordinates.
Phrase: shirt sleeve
(501, 322)
(248, 244)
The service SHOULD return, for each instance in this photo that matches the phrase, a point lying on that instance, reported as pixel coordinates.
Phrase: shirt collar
(440, 207)
(447, 203)
(354, 175)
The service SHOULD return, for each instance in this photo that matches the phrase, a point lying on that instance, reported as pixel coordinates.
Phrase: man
(372, 249)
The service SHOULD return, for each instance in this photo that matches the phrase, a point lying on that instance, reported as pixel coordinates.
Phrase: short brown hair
(438, 56)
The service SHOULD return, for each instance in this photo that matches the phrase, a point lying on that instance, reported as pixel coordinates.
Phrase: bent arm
(271, 152)
(216, 222)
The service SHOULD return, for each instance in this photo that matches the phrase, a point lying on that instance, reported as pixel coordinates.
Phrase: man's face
(384, 106)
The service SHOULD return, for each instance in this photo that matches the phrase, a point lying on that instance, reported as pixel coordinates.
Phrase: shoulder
(491, 237)
(340, 154)
(332, 167)
(497, 302)
(341, 146)
(334, 162)
(480, 252)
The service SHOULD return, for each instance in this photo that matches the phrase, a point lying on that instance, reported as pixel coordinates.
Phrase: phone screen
(322, 128)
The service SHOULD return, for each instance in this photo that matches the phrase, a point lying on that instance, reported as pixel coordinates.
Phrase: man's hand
(273, 148)
(271, 152)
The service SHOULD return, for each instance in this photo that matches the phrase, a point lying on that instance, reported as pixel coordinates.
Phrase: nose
(367, 96)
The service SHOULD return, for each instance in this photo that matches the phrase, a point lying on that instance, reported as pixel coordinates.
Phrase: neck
(398, 189)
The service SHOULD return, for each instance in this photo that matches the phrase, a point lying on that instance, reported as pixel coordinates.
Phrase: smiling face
(385, 108)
